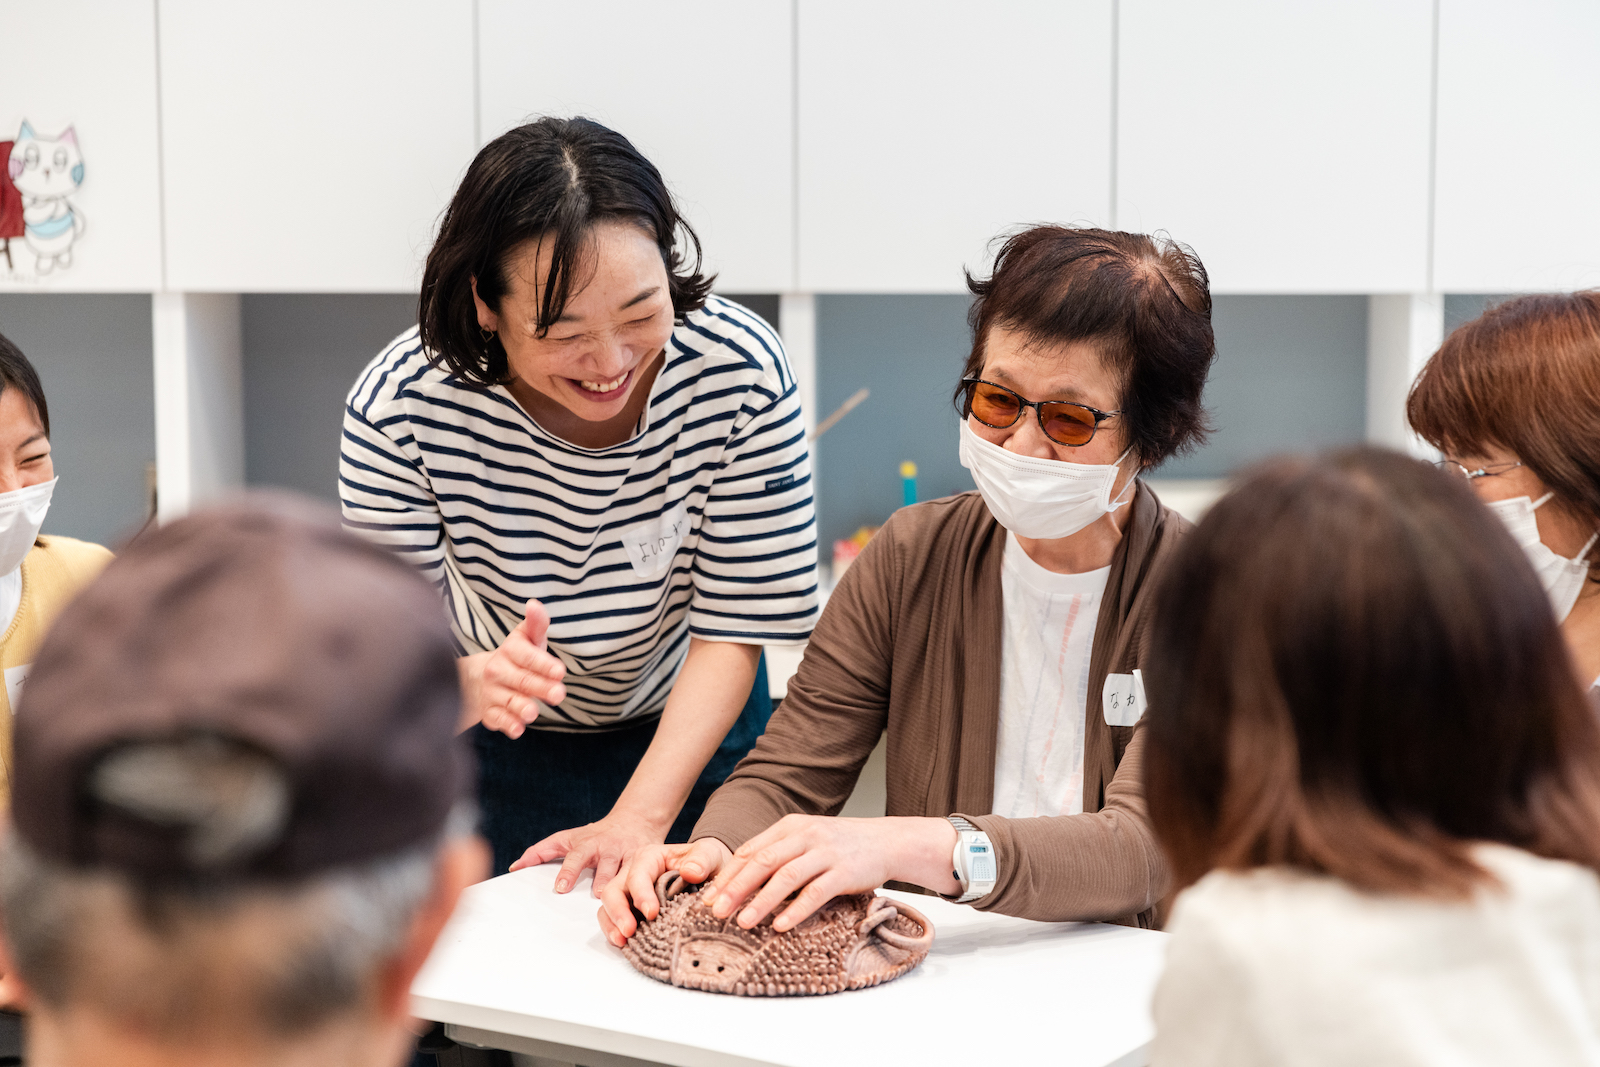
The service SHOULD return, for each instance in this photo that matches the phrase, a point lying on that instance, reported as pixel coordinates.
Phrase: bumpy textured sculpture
(849, 943)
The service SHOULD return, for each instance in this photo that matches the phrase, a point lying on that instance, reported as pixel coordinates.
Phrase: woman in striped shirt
(604, 471)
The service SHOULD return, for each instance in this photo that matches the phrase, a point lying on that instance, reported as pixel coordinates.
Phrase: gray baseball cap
(263, 634)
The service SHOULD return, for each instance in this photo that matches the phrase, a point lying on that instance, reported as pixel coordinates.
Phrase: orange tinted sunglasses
(1062, 421)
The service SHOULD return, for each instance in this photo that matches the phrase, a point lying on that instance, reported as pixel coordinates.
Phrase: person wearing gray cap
(240, 816)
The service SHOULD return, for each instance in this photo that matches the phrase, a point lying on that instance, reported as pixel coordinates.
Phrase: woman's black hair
(552, 176)
(17, 373)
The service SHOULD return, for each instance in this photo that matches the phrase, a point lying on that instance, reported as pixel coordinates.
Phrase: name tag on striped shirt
(651, 545)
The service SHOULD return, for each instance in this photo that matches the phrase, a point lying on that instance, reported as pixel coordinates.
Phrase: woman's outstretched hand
(607, 846)
(635, 887)
(502, 689)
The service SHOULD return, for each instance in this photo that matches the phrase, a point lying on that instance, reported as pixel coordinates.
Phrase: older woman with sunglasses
(995, 636)
(1510, 399)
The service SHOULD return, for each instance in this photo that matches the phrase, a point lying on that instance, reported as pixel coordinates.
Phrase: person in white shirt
(1372, 767)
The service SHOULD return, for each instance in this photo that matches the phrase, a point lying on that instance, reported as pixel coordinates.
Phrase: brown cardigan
(910, 642)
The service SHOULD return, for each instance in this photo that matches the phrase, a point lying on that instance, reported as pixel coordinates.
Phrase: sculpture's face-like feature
(850, 943)
(710, 961)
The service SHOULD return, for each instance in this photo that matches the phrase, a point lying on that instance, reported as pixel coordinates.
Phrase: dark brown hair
(1355, 671)
(17, 373)
(1524, 375)
(1145, 301)
(551, 178)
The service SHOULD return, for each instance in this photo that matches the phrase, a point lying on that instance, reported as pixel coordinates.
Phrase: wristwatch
(972, 864)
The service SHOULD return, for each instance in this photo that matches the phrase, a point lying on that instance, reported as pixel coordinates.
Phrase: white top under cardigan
(1046, 637)
(1284, 968)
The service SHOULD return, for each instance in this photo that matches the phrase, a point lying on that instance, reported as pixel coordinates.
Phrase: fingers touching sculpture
(851, 942)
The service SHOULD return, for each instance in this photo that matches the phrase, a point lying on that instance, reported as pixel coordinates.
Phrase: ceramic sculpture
(851, 942)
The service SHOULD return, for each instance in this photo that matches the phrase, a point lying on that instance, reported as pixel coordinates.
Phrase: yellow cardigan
(52, 572)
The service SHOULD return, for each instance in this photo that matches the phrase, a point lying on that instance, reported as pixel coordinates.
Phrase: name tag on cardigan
(1123, 699)
(15, 676)
(651, 545)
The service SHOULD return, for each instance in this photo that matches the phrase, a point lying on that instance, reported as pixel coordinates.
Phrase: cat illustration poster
(39, 223)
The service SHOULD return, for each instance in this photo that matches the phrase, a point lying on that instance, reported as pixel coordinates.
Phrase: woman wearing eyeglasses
(993, 635)
(1512, 401)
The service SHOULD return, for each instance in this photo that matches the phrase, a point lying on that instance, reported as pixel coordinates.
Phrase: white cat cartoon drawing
(46, 171)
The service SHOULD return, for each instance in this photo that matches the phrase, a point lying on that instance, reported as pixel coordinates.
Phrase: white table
(523, 969)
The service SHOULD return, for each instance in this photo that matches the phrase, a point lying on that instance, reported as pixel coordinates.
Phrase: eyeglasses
(1062, 421)
(1450, 466)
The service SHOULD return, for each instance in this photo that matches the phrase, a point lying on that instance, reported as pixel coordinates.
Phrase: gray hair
(184, 956)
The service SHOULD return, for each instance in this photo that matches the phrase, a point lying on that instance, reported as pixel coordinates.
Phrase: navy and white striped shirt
(702, 523)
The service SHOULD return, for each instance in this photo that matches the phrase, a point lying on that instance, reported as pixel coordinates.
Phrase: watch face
(980, 862)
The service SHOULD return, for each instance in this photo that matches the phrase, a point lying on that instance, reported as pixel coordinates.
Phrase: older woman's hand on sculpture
(502, 689)
(813, 858)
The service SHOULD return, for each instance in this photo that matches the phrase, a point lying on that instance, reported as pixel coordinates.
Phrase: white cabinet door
(1287, 142)
(310, 145)
(928, 127)
(704, 88)
(1519, 146)
(85, 69)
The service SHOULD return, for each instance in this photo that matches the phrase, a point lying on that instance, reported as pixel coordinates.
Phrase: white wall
(1519, 146)
(705, 90)
(835, 145)
(1288, 143)
(90, 65)
(927, 127)
(310, 145)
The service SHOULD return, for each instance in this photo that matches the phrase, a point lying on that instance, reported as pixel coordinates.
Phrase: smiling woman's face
(617, 320)
(1073, 372)
(24, 449)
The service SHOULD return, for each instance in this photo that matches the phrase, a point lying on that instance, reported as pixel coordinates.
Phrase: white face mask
(1562, 578)
(21, 514)
(1043, 498)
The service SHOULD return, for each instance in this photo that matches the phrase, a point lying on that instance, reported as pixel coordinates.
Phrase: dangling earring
(488, 335)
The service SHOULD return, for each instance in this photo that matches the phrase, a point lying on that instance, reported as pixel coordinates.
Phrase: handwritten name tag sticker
(15, 677)
(651, 545)
(1122, 699)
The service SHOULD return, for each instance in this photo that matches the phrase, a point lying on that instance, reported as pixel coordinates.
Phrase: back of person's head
(1354, 670)
(1144, 300)
(16, 372)
(239, 806)
(552, 180)
(1525, 376)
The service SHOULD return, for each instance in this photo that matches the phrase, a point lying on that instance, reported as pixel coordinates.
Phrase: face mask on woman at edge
(1561, 577)
(27, 478)
(1037, 480)
(1557, 542)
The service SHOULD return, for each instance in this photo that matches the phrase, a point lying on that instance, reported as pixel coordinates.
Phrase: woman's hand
(635, 886)
(502, 689)
(607, 846)
(820, 857)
